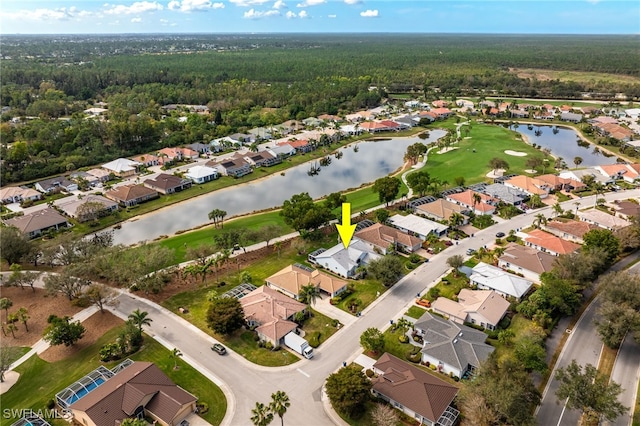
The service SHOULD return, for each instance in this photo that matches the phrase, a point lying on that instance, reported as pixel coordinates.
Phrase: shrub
(335, 322)
(504, 323)
(403, 339)
(369, 373)
(432, 367)
(512, 238)
(413, 355)
(202, 407)
(256, 338)
(50, 404)
(314, 339)
(414, 258)
(410, 266)
(268, 345)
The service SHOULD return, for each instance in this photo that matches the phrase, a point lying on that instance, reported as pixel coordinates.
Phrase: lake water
(564, 144)
(373, 160)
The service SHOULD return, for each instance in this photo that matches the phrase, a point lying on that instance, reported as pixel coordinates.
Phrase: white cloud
(194, 5)
(353, 1)
(303, 14)
(257, 14)
(42, 14)
(369, 13)
(246, 3)
(308, 3)
(290, 15)
(137, 7)
(136, 20)
(164, 21)
(279, 5)
(332, 16)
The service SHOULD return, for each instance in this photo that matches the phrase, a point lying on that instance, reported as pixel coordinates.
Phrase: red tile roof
(551, 242)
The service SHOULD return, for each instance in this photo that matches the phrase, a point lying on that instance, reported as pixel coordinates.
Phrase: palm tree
(217, 216)
(404, 325)
(279, 404)
(261, 415)
(536, 201)
(540, 220)
(175, 354)
(309, 294)
(253, 147)
(455, 220)
(577, 161)
(577, 204)
(23, 316)
(140, 318)
(277, 246)
(598, 188)
(557, 209)
(6, 303)
(477, 199)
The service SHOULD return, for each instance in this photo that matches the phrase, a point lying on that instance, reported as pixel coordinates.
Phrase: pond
(563, 143)
(373, 160)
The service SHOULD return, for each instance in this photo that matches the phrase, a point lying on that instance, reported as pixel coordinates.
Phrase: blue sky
(246, 16)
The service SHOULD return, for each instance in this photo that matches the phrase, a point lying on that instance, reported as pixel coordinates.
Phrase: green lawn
(40, 380)
(366, 291)
(489, 141)
(415, 312)
(450, 289)
(319, 324)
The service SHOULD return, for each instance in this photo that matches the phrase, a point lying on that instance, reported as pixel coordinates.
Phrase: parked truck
(298, 344)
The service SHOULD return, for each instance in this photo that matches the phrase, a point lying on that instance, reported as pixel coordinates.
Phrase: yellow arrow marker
(346, 230)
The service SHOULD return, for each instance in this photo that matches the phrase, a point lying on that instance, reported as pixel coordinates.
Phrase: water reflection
(371, 161)
(562, 142)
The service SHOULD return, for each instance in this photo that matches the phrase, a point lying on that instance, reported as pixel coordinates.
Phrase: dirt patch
(39, 306)
(96, 325)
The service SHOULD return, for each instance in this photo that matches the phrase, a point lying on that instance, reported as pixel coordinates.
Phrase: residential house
(440, 103)
(614, 131)
(506, 194)
(530, 185)
(519, 113)
(35, 224)
(140, 390)
(442, 112)
(557, 183)
(381, 237)
(345, 261)
(271, 313)
(74, 208)
(441, 210)
(262, 159)
(469, 200)
(235, 165)
(283, 150)
(301, 145)
(291, 279)
(249, 138)
(526, 261)
(373, 127)
(131, 195)
(329, 117)
(578, 175)
(122, 167)
(168, 184)
(59, 183)
(189, 154)
(147, 160)
(418, 394)
(464, 103)
(100, 175)
(417, 226)
(543, 115)
(407, 121)
(393, 125)
(201, 148)
(627, 172)
(312, 122)
(290, 126)
(16, 194)
(549, 243)
(95, 111)
(168, 155)
(451, 347)
(571, 116)
(427, 115)
(633, 113)
(201, 174)
(626, 209)
(489, 277)
(570, 230)
(602, 219)
(485, 308)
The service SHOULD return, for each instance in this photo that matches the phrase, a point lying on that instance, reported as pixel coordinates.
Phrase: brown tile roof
(487, 303)
(575, 228)
(412, 387)
(382, 236)
(557, 181)
(130, 192)
(165, 181)
(466, 198)
(627, 208)
(440, 208)
(293, 278)
(141, 383)
(528, 184)
(528, 258)
(551, 242)
(271, 309)
(41, 219)
(296, 143)
(441, 111)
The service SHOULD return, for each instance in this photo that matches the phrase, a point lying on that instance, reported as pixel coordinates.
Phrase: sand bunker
(515, 153)
(496, 173)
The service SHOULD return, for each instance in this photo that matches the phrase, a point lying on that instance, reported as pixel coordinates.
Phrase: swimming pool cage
(31, 420)
(66, 397)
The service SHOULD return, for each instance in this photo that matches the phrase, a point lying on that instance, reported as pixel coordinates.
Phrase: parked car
(471, 251)
(500, 234)
(217, 347)
(423, 302)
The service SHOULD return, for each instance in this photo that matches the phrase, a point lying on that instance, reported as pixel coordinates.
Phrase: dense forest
(250, 81)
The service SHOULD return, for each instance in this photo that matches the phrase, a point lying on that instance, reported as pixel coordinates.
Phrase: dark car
(217, 347)
(500, 234)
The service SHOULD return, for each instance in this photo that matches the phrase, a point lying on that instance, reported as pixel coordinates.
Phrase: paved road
(626, 372)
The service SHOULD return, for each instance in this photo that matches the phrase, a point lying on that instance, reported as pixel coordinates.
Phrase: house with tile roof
(549, 243)
(140, 390)
(442, 112)
(75, 209)
(614, 131)
(234, 166)
(441, 210)
(166, 184)
(626, 209)
(570, 230)
(557, 183)
(147, 160)
(122, 167)
(100, 175)
(526, 261)
(578, 175)
(262, 159)
(346, 261)
(202, 174)
(627, 172)
(602, 219)
(487, 204)
(531, 186)
(417, 226)
(485, 308)
(16, 194)
(452, 348)
(271, 313)
(381, 237)
(418, 394)
(373, 127)
(506, 194)
(300, 145)
(489, 277)
(292, 278)
(35, 224)
(131, 195)
(56, 184)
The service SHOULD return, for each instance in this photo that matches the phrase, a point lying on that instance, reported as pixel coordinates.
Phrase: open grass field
(489, 141)
(575, 76)
(40, 381)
